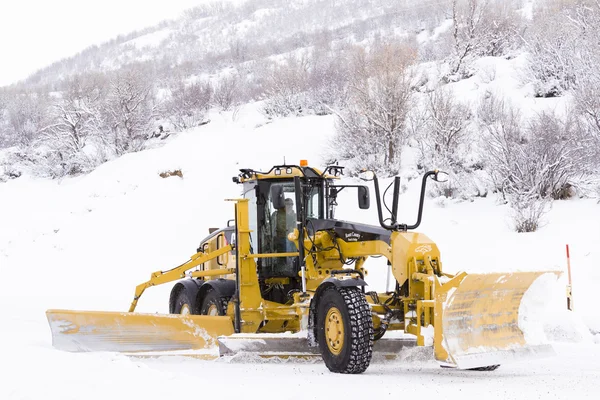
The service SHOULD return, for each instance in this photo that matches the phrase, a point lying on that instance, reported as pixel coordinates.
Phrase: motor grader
(286, 264)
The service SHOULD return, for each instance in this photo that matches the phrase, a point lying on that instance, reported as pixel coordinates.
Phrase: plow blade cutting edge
(284, 346)
(80, 331)
(479, 319)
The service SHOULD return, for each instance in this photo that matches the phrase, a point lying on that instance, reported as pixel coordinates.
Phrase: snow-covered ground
(86, 242)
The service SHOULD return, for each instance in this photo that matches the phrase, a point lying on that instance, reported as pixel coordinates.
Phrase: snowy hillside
(85, 215)
(84, 243)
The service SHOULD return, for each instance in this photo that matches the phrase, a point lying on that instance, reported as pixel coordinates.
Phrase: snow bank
(543, 316)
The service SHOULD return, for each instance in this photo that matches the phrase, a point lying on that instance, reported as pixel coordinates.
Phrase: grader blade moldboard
(81, 331)
(285, 346)
(479, 316)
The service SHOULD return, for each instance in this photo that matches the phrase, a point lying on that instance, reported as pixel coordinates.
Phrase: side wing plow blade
(479, 319)
(83, 331)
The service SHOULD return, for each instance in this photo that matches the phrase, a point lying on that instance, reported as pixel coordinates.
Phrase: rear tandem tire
(213, 304)
(345, 330)
(185, 303)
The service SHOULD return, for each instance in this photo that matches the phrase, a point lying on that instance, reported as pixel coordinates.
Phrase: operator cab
(285, 198)
(274, 211)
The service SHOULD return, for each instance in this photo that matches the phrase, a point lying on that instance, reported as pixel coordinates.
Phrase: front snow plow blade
(82, 331)
(479, 319)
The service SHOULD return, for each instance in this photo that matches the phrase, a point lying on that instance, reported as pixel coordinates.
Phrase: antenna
(284, 161)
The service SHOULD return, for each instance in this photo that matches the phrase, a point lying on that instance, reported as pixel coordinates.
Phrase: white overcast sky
(35, 33)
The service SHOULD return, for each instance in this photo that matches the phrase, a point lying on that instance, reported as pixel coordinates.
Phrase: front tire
(345, 330)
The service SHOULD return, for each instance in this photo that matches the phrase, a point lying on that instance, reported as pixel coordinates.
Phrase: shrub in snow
(560, 150)
(176, 172)
(8, 170)
(529, 166)
(587, 108)
(129, 110)
(462, 184)
(443, 135)
(312, 83)
(372, 128)
(27, 115)
(327, 81)
(481, 28)
(286, 86)
(76, 122)
(542, 159)
(187, 105)
(551, 49)
(527, 211)
(227, 92)
(564, 45)
(441, 127)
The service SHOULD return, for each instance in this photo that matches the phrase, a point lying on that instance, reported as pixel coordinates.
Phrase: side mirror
(364, 200)
(277, 197)
(440, 176)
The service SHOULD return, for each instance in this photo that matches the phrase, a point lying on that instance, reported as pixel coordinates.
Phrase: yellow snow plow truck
(286, 271)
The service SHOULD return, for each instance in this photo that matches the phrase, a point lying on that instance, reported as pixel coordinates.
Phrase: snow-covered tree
(587, 107)
(443, 137)
(129, 110)
(564, 45)
(227, 91)
(27, 116)
(372, 128)
(75, 120)
(481, 28)
(530, 166)
(5, 138)
(286, 87)
(188, 103)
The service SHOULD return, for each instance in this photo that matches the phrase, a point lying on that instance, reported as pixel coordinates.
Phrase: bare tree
(238, 49)
(443, 139)
(327, 80)
(530, 166)
(129, 110)
(481, 28)
(587, 103)
(379, 101)
(543, 159)
(551, 45)
(564, 45)
(188, 104)
(5, 138)
(286, 88)
(75, 119)
(27, 116)
(227, 92)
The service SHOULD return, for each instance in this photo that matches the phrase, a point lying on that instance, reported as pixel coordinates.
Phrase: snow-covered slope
(86, 242)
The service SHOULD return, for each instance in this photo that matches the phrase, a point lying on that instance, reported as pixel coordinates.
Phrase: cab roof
(287, 172)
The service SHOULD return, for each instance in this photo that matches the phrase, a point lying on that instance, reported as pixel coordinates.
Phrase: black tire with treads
(212, 298)
(356, 344)
(185, 298)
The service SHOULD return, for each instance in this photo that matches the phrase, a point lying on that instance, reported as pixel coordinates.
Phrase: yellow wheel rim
(212, 310)
(334, 331)
(185, 309)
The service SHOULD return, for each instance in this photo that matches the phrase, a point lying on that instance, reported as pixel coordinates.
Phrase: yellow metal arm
(160, 277)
